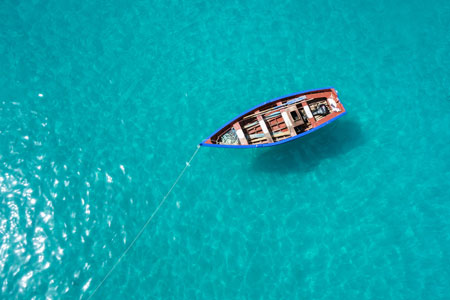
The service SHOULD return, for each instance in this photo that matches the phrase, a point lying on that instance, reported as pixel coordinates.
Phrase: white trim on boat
(240, 134)
(263, 126)
(286, 119)
(308, 111)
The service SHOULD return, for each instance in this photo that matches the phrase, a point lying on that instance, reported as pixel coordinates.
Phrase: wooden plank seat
(264, 128)
(288, 122)
(240, 133)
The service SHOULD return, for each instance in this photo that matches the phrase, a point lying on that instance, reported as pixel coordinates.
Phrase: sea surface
(103, 102)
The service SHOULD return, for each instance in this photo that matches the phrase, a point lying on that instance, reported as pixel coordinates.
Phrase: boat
(279, 120)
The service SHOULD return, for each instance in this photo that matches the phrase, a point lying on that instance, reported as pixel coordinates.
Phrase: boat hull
(327, 120)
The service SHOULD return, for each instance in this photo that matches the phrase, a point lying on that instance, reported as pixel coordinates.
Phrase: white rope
(188, 164)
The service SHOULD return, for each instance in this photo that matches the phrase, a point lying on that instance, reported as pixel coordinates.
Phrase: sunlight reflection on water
(19, 214)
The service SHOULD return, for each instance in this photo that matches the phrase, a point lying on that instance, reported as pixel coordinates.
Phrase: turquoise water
(102, 103)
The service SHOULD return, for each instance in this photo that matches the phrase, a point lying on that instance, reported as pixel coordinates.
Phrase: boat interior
(279, 120)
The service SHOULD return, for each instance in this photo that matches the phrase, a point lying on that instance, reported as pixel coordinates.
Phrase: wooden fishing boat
(279, 120)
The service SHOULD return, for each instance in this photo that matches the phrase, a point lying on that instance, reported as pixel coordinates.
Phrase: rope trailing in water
(188, 164)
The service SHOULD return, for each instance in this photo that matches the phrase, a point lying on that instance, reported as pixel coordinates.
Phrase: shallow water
(102, 103)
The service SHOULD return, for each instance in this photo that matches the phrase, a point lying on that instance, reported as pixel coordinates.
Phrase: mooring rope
(188, 164)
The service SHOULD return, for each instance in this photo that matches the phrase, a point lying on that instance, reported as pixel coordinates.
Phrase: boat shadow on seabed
(305, 153)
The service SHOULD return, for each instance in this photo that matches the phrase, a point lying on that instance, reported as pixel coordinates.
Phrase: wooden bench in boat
(264, 128)
(309, 114)
(240, 133)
